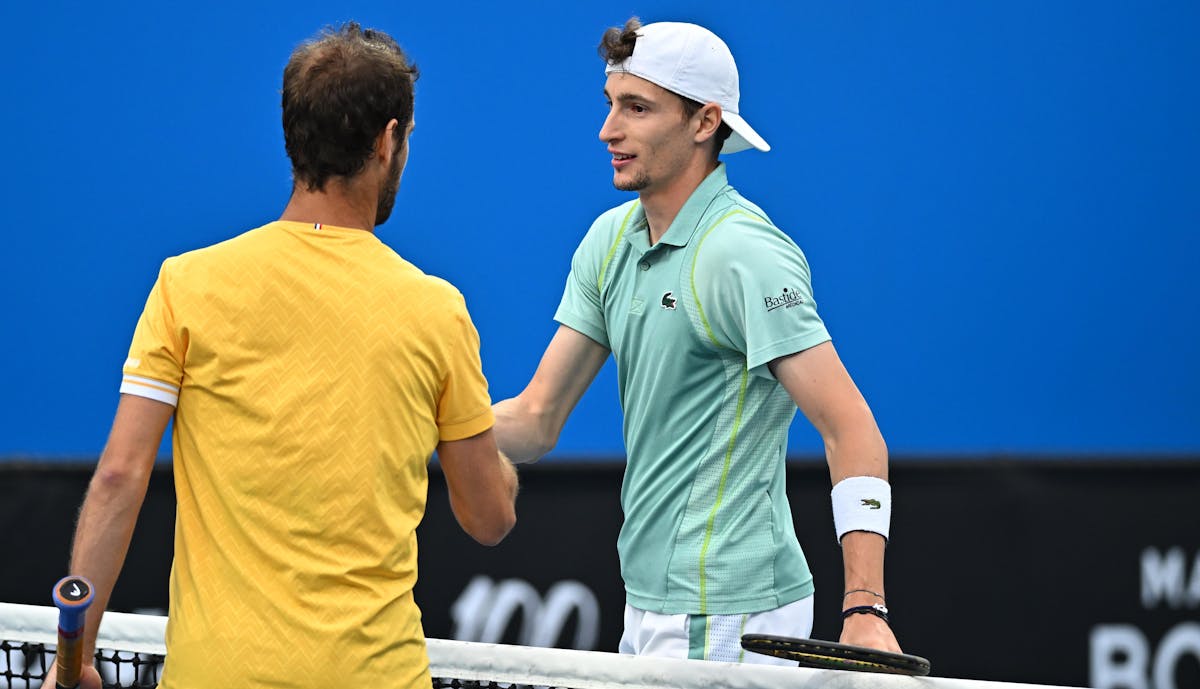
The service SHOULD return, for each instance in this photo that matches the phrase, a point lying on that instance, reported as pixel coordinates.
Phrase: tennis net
(131, 652)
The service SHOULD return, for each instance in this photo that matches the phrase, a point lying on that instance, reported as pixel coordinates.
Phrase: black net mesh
(23, 665)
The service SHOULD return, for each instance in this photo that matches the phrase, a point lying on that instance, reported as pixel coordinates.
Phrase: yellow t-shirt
(313, 371)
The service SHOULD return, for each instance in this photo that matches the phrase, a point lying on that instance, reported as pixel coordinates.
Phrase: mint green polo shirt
(693, 322)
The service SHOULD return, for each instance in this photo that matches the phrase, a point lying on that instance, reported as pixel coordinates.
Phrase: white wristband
(862, 503)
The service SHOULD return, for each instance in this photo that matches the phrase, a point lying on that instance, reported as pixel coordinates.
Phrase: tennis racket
(72, 596)
(831, 656)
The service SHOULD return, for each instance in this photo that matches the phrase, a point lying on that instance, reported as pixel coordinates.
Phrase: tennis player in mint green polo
(708, 310)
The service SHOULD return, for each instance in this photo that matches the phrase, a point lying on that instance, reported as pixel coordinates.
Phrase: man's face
(647, 133)
(391, 182)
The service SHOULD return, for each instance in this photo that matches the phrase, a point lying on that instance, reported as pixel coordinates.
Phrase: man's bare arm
(528, 425)
(822, 388)
(114, 498)
(482, 485)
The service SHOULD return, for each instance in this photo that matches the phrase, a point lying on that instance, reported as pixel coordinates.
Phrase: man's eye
(637, 108)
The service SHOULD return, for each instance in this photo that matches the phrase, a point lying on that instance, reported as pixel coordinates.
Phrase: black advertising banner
(1068, 572)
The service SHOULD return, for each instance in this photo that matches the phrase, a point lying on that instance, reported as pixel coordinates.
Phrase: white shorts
(713, 637)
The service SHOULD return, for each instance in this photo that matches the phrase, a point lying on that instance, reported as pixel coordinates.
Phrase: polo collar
(686, 221)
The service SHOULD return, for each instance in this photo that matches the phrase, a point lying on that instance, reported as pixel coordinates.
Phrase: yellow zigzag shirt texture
(313, 371)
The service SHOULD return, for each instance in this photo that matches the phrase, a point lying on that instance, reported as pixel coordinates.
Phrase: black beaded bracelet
(877, 610)
(847, 594)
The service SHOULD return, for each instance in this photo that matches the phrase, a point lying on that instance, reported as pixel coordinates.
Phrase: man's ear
(385, 146)
(708, 121)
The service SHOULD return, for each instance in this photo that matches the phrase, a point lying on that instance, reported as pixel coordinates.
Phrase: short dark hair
(617, 45)
(340, 90)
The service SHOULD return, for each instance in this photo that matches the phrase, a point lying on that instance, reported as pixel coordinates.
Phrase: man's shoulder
(739, 236)
(616, 219)
(222, 251)
(406, 281)
(736, 224)
(731, 209)
(606, 231)
(438, 288)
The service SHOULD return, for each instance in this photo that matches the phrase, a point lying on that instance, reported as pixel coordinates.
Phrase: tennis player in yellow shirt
(311, 373)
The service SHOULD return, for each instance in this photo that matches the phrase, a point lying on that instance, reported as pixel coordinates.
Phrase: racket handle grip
(72, 596)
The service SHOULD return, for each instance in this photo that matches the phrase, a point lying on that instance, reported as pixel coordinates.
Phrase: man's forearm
(862, 560)
(860, 454)
(863, 454)
(102, 536)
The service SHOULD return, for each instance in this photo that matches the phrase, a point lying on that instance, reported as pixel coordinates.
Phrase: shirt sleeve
(582, 304)
(755, 292)
(154, 368)
(464, 408)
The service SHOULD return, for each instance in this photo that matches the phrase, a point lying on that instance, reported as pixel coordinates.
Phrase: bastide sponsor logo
(785, 300)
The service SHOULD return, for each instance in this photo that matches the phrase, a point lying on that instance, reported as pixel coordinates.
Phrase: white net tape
(503, 664)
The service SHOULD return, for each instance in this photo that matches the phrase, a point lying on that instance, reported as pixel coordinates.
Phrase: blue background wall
(1000, 200)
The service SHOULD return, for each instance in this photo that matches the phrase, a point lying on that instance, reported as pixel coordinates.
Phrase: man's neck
(336, 205)
(662, 205)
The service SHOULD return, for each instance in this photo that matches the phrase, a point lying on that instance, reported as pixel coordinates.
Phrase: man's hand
(88, 679)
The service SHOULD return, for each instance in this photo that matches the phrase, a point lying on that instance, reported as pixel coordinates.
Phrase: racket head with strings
(72, 596)
(828, 655)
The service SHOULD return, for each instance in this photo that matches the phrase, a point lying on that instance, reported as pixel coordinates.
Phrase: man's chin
(626, 184)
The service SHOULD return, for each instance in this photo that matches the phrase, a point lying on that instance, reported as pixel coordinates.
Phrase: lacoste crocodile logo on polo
(871, 503)
(786, 300)
(668, 301)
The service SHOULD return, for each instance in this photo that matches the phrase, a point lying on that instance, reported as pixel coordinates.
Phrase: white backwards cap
(693, 62)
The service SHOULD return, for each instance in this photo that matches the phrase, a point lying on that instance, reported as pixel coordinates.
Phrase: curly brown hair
(616, 45)
(340, 90)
